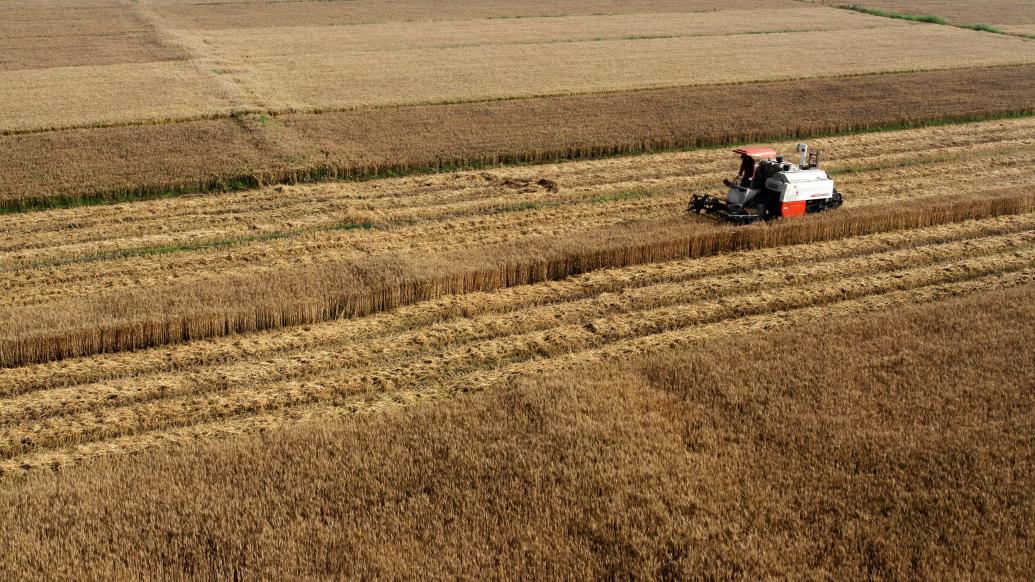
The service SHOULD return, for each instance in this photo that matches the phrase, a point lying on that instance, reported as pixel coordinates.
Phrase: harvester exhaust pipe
(803, 151)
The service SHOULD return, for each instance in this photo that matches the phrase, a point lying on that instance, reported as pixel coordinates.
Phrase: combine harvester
(767, 187)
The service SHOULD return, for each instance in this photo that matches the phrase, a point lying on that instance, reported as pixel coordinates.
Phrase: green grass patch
(983, 27)
(350, 226)
(928, 18)
(622, 196)
(518, 207)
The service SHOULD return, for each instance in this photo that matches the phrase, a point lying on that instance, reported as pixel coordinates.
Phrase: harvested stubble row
(295, 341)
(108, 273)
(308, 295)
(89, 165)
(63, 254)
(453, 350)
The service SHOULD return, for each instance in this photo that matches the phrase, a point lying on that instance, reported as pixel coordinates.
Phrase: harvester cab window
(747, 170)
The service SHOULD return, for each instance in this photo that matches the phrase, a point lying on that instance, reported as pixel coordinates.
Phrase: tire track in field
(406, 364)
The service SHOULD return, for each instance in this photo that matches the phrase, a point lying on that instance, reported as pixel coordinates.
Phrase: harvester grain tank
(767, 187)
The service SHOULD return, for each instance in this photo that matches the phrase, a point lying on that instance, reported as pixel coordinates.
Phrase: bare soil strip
(107, 164)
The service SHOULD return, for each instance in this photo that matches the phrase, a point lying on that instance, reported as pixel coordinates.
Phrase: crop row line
(351, 290)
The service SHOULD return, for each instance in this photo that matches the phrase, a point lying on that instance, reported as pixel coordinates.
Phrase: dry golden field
(345, 288)
(475, 56)
(872, 453)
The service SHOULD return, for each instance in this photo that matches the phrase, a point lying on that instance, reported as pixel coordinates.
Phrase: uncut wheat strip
(359, 391)
(309, 296)
(321, 204)
(68, 280)
(351, 352)
(332, 387)
(217, 351)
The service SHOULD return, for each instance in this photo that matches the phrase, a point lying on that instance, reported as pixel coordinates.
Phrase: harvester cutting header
(766, 187)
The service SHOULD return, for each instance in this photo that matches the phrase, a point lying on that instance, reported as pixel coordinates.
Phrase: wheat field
(352, 289)
(290, 257)
(252, 68)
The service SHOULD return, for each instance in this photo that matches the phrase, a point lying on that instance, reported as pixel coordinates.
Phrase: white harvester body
(767, 187)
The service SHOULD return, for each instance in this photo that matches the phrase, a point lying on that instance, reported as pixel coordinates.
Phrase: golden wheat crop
(639, 469)
(75, 253)
(251, 69)
(486, 72)
(108, 163)
(251, 237)
(191, 15)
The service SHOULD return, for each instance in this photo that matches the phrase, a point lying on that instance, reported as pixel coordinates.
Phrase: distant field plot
(201, 14)
(297, 67)
(329, 77)
(1007, 15)
(288, 41)
(49, 33)
(91, 95)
